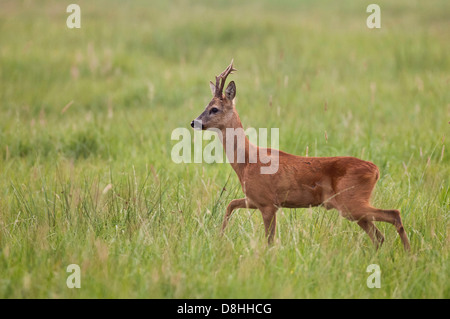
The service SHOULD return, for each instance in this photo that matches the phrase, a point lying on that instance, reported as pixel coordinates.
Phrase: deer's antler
(221, 78)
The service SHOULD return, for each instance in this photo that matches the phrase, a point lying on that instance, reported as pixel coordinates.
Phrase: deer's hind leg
(366, 215)
(391, 216)
(374, 233)
(354, 205)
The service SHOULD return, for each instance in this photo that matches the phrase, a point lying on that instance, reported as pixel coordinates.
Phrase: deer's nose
(197, 125)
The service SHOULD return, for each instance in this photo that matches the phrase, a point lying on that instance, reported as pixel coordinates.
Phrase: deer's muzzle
(197, 125)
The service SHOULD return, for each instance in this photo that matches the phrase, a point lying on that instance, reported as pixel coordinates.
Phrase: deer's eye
(214, 110)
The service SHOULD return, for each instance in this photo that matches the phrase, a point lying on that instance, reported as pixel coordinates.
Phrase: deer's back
(308, 181)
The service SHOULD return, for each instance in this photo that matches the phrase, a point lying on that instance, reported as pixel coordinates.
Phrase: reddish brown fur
(342, 183)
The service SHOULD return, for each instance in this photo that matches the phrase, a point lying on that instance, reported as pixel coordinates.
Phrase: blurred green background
(86, 117)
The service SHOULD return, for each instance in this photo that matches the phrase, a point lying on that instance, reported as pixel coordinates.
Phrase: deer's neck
(236, 145)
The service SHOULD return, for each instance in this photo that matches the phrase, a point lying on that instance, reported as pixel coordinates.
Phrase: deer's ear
(230, 91)
(213, 88)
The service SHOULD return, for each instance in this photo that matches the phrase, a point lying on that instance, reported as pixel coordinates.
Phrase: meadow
(86, 175)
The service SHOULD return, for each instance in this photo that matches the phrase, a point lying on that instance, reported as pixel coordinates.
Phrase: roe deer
(342, 183)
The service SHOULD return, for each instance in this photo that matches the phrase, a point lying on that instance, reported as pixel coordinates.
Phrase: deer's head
(219, 112)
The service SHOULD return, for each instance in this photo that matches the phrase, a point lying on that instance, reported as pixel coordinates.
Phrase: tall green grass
(91, 182)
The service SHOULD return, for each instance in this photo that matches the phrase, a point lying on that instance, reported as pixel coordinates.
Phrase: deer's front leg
(270, 221)
(235, 204)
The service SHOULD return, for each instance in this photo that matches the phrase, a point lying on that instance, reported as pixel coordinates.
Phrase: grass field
(86, 175)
